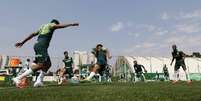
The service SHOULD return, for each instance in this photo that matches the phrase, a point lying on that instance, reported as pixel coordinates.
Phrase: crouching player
(138, 71)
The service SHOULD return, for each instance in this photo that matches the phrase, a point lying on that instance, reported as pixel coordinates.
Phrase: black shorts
(102, 69)
(69, 71)
(41, 54)
(179, 64)
(166, 74)
(138, 73)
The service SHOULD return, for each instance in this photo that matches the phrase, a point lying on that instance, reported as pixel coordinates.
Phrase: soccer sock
(41, 76)
(91, 75)
(144, 77)
(26, 73)
(176, 75)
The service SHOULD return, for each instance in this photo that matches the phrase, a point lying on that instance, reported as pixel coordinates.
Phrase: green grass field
(152, 91)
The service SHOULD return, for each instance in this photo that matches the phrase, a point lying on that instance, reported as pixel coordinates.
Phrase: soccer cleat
(86, 80)
(38, 84)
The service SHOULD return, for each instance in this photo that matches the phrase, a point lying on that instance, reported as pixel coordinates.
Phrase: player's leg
(63, 73)
(93, 72)
(30, 71)
(70, 73)
(34, 66)
(101, 72)
(176, 72)
(46, 65)
(134, 77)
(137, 76)
(167, 76)
(186, 73)
(143, 77)
(39, 80)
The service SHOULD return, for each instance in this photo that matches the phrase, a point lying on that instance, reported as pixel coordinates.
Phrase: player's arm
(108, 54)
(94, 52)
(163, 69)
(63, 64)
(73, 65)
(144, 68)
(172, 59)
(59, 26)
(185, 55)
(20, 44)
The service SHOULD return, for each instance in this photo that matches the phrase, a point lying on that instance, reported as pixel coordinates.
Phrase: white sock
(176, 73)
(40, 77)
(26, 73)
(144, 77)
(91, 75)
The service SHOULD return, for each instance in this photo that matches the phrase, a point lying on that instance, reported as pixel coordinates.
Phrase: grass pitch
(152, 91)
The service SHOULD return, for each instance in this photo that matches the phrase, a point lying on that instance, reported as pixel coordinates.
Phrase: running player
(138, 71)
(67, 69)
(179, 56)
(102, 55)
(42, 58)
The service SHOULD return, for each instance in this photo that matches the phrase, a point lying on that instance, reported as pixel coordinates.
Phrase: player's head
(99, 47)
(174, 47)
(66, 53)
(28, 60)
(135, 62)
(55, 21)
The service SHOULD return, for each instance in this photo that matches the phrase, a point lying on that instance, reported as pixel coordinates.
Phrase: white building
(124, 66)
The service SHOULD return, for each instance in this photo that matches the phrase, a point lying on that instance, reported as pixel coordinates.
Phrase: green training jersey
(45, 34)
(68, 62)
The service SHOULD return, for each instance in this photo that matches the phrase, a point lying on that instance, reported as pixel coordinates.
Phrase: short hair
(174, 45)
(28, 59)
(55, 21)
(65, 52)
(99, 45)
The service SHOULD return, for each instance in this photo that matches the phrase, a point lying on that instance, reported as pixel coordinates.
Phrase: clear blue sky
(126, 27)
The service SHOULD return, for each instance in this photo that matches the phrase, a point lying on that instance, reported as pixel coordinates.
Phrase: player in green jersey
(42, 58)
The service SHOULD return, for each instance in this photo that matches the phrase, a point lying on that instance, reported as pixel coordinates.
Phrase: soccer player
(42, 58)
(138, 70)
(102, 55)
(179, 57)
(67, 69)
(166, 72)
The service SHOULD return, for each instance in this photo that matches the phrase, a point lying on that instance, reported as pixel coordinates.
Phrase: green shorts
(179, 64)
(101, 69)
(139, 74)
(69, 71)
(41, 53)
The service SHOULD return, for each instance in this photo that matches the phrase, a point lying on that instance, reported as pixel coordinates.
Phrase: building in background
(124, 67)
